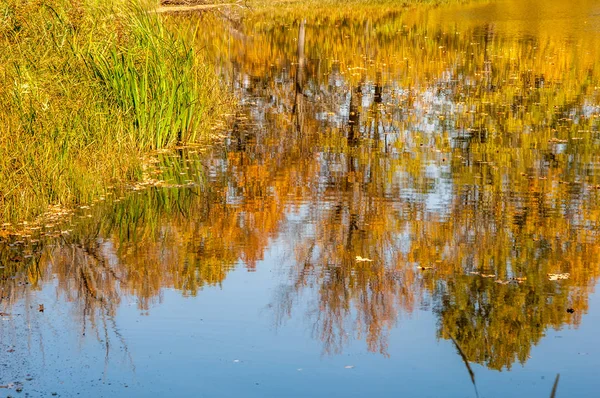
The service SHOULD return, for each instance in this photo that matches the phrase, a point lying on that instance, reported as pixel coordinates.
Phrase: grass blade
(466, 362)
(555, 387)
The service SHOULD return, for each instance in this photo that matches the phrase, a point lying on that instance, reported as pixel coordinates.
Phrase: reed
(156, 78)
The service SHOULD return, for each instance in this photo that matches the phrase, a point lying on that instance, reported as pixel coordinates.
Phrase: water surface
(392, 181)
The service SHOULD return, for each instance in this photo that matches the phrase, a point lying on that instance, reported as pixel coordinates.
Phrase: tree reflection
(461, 161)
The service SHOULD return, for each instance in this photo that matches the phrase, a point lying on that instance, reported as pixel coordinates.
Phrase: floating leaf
(558, 277)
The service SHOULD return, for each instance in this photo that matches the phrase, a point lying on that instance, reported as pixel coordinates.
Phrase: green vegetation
(88, 88)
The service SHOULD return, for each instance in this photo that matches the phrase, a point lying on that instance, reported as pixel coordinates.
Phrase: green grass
(87, 88)
(158, 80)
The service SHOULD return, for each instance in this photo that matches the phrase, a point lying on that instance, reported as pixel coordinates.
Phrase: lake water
(397, 191)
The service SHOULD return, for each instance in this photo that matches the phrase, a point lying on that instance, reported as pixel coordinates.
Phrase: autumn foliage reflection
(412, 164)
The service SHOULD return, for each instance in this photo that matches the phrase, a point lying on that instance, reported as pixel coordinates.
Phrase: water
(392, 181)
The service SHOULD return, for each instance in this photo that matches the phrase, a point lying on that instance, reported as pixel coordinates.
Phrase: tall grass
(86, 88)
(157, 80)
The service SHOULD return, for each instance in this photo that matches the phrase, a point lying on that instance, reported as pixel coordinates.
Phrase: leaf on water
(360, 259)
(558, 277)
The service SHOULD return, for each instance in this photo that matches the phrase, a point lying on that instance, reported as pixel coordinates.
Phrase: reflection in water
(460, 158)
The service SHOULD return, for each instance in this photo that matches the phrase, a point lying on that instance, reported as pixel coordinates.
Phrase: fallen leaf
(558, 277)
